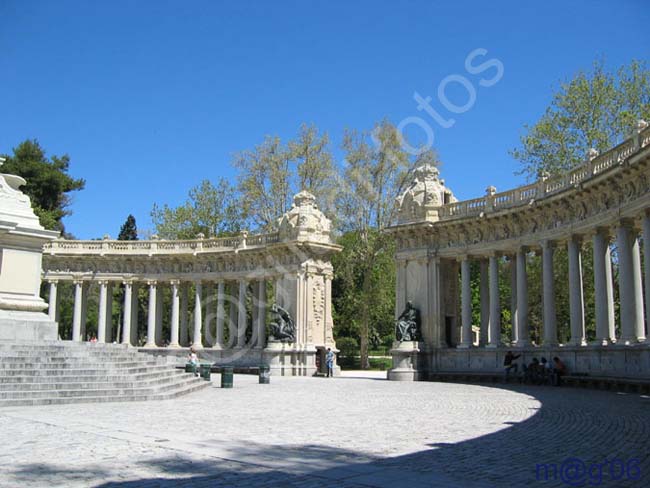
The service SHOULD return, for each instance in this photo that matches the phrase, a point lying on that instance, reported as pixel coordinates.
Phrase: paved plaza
(354, 431)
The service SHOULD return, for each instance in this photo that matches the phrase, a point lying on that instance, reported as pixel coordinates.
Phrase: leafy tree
(128, 231)
(209, 209)
(376, 172)
(272, 172)
(595, 109)
(48, 182)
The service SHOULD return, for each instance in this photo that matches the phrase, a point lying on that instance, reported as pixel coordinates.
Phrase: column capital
(548, 244)
(78, 281)
(152, 282)
(52, 281)
(175, 282)
(102, 282)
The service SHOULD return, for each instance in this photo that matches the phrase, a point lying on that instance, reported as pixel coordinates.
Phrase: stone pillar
(639, 326)
(232, 315)
(629, 285)
(159, 316)
(610, 294)
(495, 306)
(128, 313)
(220, 315)
(241, 315)
(602, 289)
(576, 299)
(76, 315)
(400, 288)
(184, 338)
(513, 299)
(135, 311)
(466, 304)
(84, 308)
(523, 334)
(260, 325)
(175, 319)
(151, 316)
(53, 300)
(646, 265)
(103, 305)
(198, 319)
(110, 335)
(485, 304)
(548, 295)
(209, 314)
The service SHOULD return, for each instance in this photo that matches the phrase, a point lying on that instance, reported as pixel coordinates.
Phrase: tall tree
(595, 109)
(376, 172)
(48, 182)
(129, 230)
(209, 209)
(272, 172)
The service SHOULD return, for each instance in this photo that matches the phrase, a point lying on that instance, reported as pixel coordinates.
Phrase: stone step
(97, 389)
(126, 382)
(184, 389)
(32, 379)
(76, 364)
(82, 371)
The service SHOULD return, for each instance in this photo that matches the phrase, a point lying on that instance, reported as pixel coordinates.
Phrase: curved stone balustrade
(605, 201)
(232, 282)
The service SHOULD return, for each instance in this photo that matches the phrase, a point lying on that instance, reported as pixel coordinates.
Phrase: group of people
(538, 371)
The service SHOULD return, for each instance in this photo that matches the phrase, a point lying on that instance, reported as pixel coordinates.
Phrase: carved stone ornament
(424, 196)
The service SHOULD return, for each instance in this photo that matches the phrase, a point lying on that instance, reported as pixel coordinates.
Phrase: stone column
(175, 318)
(241, 315)
(639, 329)
(151, 316)
(576, 299)
(53, 300)
(495, 306)
(400, 288)
(485, 304)
(159, 316)
(184, 338)
(602, 288)
(110, 335)
(260, 325)
(513, 299)
(103, 305)
(548, 295)
(646, 265)
(135, 309)
(629, 285)
(84, 308)
(466, 304)
(198, 319)
(233, 315)
(128, 313)
(220, 314)
(610, 294)
(523, 334)
(76, 315)
(209, 318)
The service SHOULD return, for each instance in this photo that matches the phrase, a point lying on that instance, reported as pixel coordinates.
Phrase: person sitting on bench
(509, 363)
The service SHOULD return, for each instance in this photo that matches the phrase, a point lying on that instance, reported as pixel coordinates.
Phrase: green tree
(376, 172)
(209, 209)
(595, 109)
(128, 231)
(272, 172)
(48, 182)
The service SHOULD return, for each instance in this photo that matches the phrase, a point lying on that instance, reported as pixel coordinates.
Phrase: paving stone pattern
(343, 432)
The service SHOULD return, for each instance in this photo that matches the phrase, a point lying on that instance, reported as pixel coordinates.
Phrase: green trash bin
(226, 376)
(190, 368)
(265, 375)
(205, 371)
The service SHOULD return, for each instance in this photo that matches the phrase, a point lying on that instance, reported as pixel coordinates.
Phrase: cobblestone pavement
(345, 432)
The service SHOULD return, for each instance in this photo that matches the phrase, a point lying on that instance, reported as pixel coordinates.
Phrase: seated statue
(283, 328)
(408, 324)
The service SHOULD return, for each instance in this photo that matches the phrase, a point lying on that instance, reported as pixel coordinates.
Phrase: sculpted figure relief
(283, 328)
(408, 324)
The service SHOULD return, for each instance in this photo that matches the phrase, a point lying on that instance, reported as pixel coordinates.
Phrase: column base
(464, 346)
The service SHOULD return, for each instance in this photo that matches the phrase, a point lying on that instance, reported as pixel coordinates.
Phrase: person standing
(329, 361)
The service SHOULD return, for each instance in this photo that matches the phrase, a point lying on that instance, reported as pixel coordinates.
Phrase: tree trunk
(365, 320)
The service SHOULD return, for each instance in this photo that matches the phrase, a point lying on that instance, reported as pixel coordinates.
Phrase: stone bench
(630, 385)
(215, 368)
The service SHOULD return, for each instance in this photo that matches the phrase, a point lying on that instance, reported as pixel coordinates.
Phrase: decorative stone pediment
(304, 222)
(424, 196)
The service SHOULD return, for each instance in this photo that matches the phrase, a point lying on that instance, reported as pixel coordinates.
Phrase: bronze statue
(408, 324)
(283, 329)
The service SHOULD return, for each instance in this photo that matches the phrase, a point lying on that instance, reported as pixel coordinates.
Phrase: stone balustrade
(604, 203)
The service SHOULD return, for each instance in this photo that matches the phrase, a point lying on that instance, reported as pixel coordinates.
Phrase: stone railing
(159, 246)
(547, 187)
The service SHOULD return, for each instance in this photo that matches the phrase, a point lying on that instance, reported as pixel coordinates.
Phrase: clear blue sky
(150, 97)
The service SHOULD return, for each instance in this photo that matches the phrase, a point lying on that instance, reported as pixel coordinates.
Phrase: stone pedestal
(21, 249)
(405, 361)
(285, 359)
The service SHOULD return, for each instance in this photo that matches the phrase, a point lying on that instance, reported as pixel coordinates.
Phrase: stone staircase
(80, 372)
